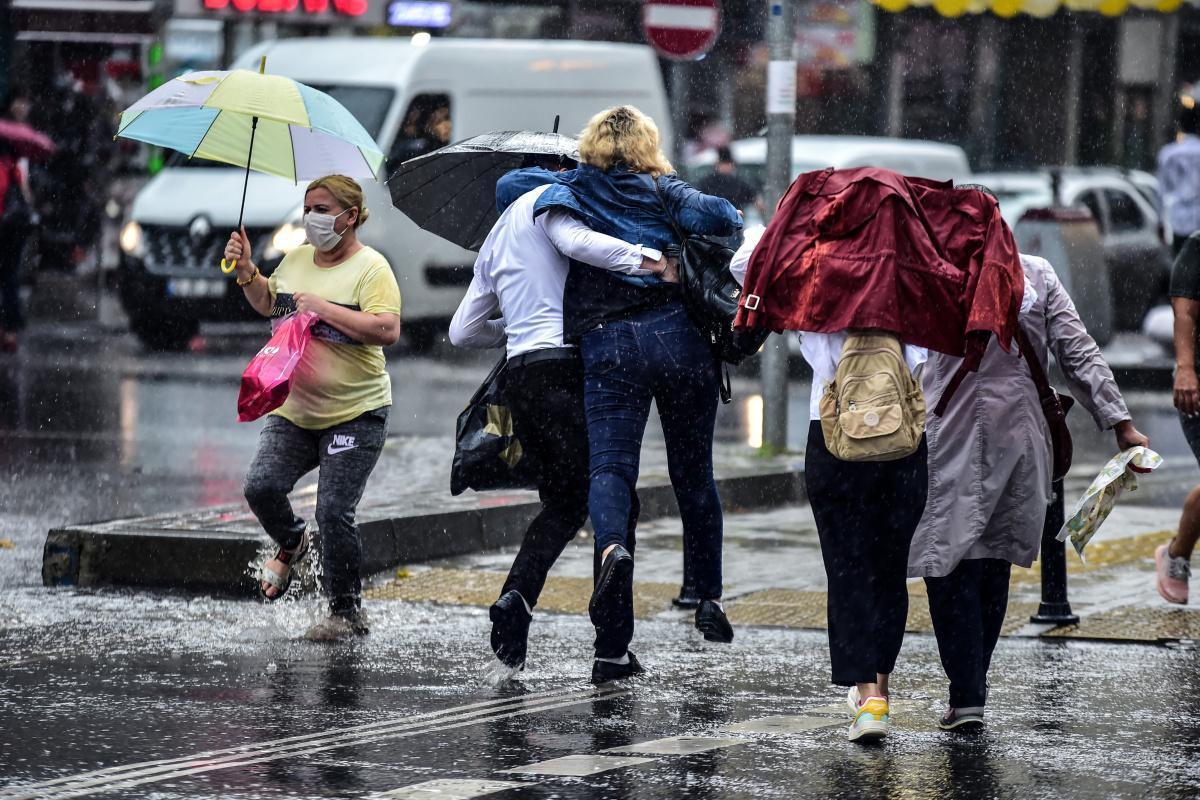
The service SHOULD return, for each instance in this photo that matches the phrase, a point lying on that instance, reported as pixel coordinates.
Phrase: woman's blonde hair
(346, 191)
(623, 135)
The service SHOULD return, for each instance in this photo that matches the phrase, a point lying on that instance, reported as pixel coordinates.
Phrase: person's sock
(622, 661)
(525, 603)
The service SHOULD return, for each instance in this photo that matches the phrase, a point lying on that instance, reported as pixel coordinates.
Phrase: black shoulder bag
(487, 454)
(711, 295)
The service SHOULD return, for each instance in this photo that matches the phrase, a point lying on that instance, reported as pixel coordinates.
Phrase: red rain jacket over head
(870, 248)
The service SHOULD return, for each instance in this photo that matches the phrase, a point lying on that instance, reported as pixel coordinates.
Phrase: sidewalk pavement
(774, 577)
(407, 514)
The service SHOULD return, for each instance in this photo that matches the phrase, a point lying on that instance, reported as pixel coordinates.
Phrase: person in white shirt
(1179, 178)
(520, 274)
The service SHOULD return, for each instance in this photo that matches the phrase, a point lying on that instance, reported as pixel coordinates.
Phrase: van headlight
(132, 240)
(287, 237)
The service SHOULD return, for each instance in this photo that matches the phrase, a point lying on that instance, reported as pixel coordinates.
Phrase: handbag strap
(495, 373)
(666, 210)
(1044, 389)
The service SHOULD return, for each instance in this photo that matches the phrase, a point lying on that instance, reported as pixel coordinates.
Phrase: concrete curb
(209, 550)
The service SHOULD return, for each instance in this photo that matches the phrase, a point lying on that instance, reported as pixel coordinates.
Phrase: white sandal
(282, 581)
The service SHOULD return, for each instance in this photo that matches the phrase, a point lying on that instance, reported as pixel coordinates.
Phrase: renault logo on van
(199, 228)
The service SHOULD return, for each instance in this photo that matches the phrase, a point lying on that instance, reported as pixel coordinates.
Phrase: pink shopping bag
(268, 377)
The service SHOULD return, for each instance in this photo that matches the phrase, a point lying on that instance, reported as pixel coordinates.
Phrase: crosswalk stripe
(153, 771)
(449, 789)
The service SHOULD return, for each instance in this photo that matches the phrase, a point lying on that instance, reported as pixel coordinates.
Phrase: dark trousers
(866, 514)
(345, 454)
(546, 402)
(12, 244)
(967, 607)
(660, 356)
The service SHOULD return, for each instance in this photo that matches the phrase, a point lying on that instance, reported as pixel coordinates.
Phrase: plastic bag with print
(268, 377)
(1118, 476)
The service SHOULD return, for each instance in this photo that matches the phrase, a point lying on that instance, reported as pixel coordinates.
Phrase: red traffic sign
(681, 29)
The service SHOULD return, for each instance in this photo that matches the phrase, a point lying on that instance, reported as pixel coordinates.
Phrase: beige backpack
(874, 409)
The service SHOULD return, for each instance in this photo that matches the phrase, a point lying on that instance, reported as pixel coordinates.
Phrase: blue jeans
(657, 355)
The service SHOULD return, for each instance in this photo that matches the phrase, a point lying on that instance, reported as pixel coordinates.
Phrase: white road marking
(449, 789)
(677, 746)
(578, 766)
(784, 724)
(691, 18)
(130, 775)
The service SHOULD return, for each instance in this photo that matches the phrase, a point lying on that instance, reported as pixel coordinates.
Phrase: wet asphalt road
(114, 681)
(94, 429)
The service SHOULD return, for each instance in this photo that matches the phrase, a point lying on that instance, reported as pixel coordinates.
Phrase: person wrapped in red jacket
(870, 248)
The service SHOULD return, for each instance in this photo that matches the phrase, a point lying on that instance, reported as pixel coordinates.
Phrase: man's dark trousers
(546, 402)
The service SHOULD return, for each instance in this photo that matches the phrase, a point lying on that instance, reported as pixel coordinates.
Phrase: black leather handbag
(711, 295)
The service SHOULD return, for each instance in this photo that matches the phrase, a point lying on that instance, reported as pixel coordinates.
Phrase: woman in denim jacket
(638, 345)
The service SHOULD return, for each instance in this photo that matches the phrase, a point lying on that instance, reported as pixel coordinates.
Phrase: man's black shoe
(613, 594)
(712, 622)
(687, 598)
(510, 629)
(605, 671)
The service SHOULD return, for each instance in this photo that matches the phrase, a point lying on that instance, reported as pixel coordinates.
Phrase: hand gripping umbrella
(301, 133)
(451, 192)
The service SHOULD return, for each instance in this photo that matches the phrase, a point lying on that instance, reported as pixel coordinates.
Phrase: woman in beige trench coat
(989, 481)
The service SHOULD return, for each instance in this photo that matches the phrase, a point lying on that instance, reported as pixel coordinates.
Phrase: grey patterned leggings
(345, 455)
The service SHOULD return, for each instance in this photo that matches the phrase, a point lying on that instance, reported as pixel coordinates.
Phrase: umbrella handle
(227, 268)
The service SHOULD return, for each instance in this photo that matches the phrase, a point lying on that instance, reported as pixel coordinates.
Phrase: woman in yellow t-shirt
(335, 417)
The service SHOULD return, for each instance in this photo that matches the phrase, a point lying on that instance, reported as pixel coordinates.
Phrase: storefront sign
(419, 14)
(834, 34)
(354, 12)
(351, 8)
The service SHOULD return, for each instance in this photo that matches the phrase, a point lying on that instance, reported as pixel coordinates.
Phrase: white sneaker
(871, 721)
(853, 701)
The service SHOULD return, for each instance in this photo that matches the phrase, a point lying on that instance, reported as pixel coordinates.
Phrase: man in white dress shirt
(520, 275)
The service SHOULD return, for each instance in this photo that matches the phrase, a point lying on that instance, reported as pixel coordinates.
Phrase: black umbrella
(452, 191)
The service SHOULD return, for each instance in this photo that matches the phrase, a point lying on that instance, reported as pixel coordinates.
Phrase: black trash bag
(487, 454)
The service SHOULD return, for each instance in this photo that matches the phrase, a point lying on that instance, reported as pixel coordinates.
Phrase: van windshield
(368, 104)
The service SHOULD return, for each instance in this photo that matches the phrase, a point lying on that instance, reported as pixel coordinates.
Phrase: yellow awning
(1034, 8)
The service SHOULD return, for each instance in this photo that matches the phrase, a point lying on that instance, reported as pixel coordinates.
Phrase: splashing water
(499, 675)
(306, 573)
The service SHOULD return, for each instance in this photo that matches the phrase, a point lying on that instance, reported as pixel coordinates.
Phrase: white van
(412, 98)
(914, 157)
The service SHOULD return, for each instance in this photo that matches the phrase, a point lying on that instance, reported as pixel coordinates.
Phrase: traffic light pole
(781, 125)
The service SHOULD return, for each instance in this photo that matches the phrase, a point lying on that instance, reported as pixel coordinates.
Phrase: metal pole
(781, 126)
(679, 109)
(1055, 609)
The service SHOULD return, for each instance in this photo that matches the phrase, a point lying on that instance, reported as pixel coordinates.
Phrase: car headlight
(132, 241)
(287, 237)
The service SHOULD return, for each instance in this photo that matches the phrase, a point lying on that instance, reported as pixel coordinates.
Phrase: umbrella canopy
(25, 142)
(299, 133)
(451, 192)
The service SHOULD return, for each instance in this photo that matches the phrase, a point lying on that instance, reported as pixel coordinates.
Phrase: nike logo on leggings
(340, 444)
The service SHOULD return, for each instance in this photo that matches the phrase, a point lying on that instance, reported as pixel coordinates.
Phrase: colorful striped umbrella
(267, 123)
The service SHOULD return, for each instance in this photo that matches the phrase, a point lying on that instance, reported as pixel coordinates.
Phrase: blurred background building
(1040, 85)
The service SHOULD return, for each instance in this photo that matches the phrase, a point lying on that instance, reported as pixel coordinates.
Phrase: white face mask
(319, 228)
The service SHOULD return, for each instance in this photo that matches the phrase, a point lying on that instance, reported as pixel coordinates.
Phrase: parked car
(913, 157)
(1136, 255)
(412, 99)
